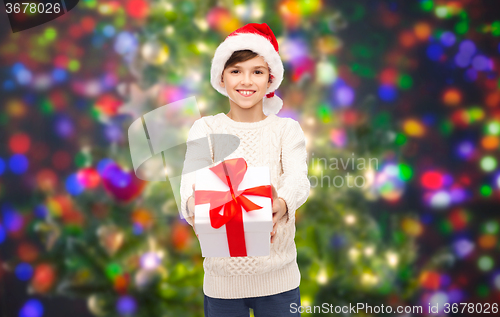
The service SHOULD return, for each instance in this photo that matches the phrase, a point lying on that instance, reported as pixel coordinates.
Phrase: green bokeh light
(385, 288)
(486, 190)
(485, 263)
(119, 21)
(41, 41)
(4, 118)
(475, 114)
(46, 107)
(113, 270)
(483, 290)
(488, 163)
(493, 128)
(446, 127)
(400, 139)
(442, 12)
(324, 113)
(361, 51)
(95, 113)
(405, 81)
(495, 28)
(73, 229)
(398, 237)
(382, 120)
(356, 13)
(90, 3)
(309, 6)
(445, 226)
(82, 159)
(461, 27)
(405, 273)
(491, 227)
(427, 5)
(74, 65)
(50, 34)
(387, 187)
(405, 172)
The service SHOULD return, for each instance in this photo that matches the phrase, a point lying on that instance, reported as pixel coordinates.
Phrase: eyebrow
(237, 66)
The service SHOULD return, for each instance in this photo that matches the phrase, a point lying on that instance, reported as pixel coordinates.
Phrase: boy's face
(246, 82)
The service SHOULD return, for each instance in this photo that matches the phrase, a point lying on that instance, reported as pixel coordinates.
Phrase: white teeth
(246, 93)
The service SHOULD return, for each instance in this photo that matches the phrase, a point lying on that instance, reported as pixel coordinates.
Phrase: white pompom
(272, 105)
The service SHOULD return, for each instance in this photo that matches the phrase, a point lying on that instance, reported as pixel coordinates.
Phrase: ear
(222, 81)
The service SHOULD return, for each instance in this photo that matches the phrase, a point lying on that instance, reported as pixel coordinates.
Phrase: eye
(234, 71)
(259, 71)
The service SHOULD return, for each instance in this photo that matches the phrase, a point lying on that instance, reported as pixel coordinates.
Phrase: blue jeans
(276, 305)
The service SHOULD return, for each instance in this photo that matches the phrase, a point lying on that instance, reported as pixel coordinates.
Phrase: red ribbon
(270, 95)
(231, 172)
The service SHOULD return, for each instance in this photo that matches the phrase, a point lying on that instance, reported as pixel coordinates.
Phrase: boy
(248, 69)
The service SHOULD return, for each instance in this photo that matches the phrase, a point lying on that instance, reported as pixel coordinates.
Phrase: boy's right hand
(191, 208)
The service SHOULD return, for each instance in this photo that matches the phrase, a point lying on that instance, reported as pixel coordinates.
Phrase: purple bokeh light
(458, 195)
(471, 74)
(344, 95)
(465, 149)
(480, 62)
(463, 247)
(467, 47)
(32, 308)
(64, 127)
(126, 305)
(462, 60)
(113, 133)
(448, 38)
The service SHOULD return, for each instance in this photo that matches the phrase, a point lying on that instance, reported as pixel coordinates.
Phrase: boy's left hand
(279, 210)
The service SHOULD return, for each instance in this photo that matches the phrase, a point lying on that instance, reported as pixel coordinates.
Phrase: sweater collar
(247, 125)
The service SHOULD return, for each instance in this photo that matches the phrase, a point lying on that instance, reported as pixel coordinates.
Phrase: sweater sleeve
(295, 185)
(197, 156)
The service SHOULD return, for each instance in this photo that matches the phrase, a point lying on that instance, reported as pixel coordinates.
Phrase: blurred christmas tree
(119, 242)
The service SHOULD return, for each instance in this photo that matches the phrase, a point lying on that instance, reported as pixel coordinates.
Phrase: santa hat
(260, 39)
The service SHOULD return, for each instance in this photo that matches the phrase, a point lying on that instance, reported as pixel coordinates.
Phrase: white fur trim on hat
(259, 45)
(272, 105)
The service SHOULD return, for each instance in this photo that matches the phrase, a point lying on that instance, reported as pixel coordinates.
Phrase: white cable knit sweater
(280, 144)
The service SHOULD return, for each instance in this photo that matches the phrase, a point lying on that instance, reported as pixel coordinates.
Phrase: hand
(279, 210)
(190, 205)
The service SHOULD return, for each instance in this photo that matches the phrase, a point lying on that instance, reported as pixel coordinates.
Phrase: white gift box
(257, 224)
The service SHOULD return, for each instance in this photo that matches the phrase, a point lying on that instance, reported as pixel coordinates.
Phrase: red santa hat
(260, 39)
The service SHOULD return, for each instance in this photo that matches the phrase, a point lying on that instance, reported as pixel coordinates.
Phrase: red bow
(270, 95)
(231, 172)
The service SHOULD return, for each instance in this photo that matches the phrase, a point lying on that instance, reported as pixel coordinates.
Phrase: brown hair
(243, 56)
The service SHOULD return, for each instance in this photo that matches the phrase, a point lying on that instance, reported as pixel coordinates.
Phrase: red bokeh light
(432, 180)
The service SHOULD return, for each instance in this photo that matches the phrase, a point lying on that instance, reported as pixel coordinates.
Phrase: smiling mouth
(246, 93)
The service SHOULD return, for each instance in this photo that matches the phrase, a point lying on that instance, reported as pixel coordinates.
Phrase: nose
(246, 79)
